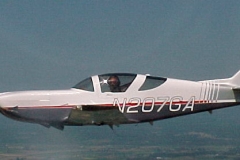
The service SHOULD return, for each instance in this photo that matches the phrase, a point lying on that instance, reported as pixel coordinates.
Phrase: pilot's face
(113, 81)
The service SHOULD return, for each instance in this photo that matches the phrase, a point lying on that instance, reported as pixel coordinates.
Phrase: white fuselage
(135, 104)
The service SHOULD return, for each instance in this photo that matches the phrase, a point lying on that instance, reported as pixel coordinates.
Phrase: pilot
(114, 83)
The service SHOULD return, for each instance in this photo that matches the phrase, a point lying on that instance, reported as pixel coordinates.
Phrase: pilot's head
(114, 81)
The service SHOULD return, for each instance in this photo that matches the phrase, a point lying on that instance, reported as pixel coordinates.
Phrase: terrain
(199, 136)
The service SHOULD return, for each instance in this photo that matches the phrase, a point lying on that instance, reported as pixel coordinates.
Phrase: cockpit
(108, 82)
(119, 82)
(115, 82)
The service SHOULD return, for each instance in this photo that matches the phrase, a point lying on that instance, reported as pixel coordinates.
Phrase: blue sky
(55, 44)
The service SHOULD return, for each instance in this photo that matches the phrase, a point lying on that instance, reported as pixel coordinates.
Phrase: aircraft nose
(1, 110)
(1, 102)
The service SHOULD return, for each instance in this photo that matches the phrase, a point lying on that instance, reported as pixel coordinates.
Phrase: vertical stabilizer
(235, 80)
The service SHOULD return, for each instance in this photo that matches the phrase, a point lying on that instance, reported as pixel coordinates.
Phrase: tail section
(233, 82)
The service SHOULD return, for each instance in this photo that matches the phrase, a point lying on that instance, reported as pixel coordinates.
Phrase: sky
(55, 44)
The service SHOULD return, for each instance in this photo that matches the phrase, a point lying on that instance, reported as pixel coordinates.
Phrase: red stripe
(111, 105)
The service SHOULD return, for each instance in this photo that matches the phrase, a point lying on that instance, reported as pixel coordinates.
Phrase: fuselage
(142, 99)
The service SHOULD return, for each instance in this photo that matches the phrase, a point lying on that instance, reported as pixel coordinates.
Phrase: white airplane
(119, 98)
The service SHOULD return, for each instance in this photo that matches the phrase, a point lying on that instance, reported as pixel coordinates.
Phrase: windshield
(86, 85)
(116, 82)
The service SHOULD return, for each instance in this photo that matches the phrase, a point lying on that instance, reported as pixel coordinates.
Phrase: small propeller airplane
(120, 98)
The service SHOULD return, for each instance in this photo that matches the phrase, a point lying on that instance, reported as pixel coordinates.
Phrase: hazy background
(55, 44)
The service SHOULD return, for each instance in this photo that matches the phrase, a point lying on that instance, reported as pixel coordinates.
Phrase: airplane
(120, 98)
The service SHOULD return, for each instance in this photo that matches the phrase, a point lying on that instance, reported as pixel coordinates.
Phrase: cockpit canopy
(115, 82)
(86, 84)
(118, 82)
